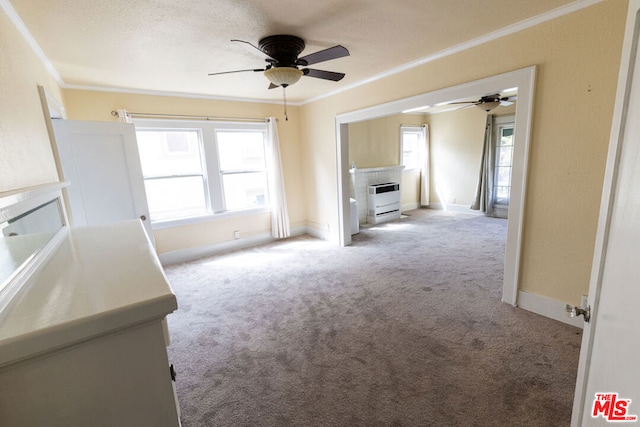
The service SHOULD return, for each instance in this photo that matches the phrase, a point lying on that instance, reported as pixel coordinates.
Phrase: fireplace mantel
(378, 169)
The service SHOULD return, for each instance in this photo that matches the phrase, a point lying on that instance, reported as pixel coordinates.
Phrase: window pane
(504, 156)
(169, 152)
(176, 197)
(410, 149)
(506, 136)
(503, 176)
(245, 190)
(241, 151)
(504, 160)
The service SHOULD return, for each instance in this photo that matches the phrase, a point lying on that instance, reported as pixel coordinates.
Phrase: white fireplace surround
(362, 178)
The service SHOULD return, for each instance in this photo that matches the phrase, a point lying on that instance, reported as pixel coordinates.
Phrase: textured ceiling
(171, 45)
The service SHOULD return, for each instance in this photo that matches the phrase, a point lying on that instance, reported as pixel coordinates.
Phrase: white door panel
(611, 342)
(102, 163)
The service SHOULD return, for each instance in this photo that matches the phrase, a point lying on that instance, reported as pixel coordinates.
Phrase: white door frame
(609, 189)
(524, 81)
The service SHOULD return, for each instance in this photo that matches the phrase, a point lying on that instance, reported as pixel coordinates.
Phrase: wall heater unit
(383, 202)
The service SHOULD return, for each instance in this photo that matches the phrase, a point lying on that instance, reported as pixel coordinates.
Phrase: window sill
(179, 222)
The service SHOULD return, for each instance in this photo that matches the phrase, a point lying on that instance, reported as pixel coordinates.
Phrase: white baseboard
(409, 207)
(547, 307)
(189, 254)
(316, 232)
(454, 208)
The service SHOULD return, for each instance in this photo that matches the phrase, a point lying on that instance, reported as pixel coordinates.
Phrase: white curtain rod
(179, 116)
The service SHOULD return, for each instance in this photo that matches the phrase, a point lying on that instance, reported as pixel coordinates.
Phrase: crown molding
(26, 35)
(31, 41)
(176, 94)
(505, 31)
(510, 29)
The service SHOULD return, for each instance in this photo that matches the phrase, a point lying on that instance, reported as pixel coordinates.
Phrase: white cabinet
(82, 342)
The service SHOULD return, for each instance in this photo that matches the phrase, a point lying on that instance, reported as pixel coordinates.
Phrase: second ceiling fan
(489, 102)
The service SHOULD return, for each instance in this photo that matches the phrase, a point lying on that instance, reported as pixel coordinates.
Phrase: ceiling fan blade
(323, 55)
(506, 103)
(321, 74)
(462, 108)
(236, 71)
(250, 44)
(463, 102)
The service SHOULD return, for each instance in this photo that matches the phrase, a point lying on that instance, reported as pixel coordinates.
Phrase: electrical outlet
(584, 302)
(236, 234)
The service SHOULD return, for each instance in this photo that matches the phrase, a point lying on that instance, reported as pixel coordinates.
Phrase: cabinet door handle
(143, 217)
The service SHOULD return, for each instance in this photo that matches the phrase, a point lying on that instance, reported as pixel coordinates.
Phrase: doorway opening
(523, 80)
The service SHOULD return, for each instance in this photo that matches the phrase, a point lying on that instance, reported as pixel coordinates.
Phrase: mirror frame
(16, 203)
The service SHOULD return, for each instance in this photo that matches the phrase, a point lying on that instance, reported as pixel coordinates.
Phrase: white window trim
(212, 175)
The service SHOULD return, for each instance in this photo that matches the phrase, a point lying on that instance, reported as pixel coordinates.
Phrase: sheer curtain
(279, 214)
(424, 166)
(483, 200)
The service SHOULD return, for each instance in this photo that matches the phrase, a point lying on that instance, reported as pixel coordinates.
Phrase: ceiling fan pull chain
(284, 95)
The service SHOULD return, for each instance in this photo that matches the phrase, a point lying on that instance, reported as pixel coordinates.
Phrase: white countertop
(99, 280)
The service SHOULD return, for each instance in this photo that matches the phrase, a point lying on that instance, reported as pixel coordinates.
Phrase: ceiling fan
(283, 60)
(489, 102)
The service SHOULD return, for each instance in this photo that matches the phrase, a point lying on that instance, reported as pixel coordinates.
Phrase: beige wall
(456, 149)
(456, 140)
(578, 58)
(25, 153)
(97, 106)
(375, 143)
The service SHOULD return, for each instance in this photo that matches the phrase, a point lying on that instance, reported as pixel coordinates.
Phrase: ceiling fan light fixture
(488, 105)
(283, 76)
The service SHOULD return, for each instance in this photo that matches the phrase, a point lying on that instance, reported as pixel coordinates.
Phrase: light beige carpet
(404, 328)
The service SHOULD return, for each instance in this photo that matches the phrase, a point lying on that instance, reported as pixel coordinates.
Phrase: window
(410, 137)
(242, 167)
(504, 161)
(194, 169)
(173, 172)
